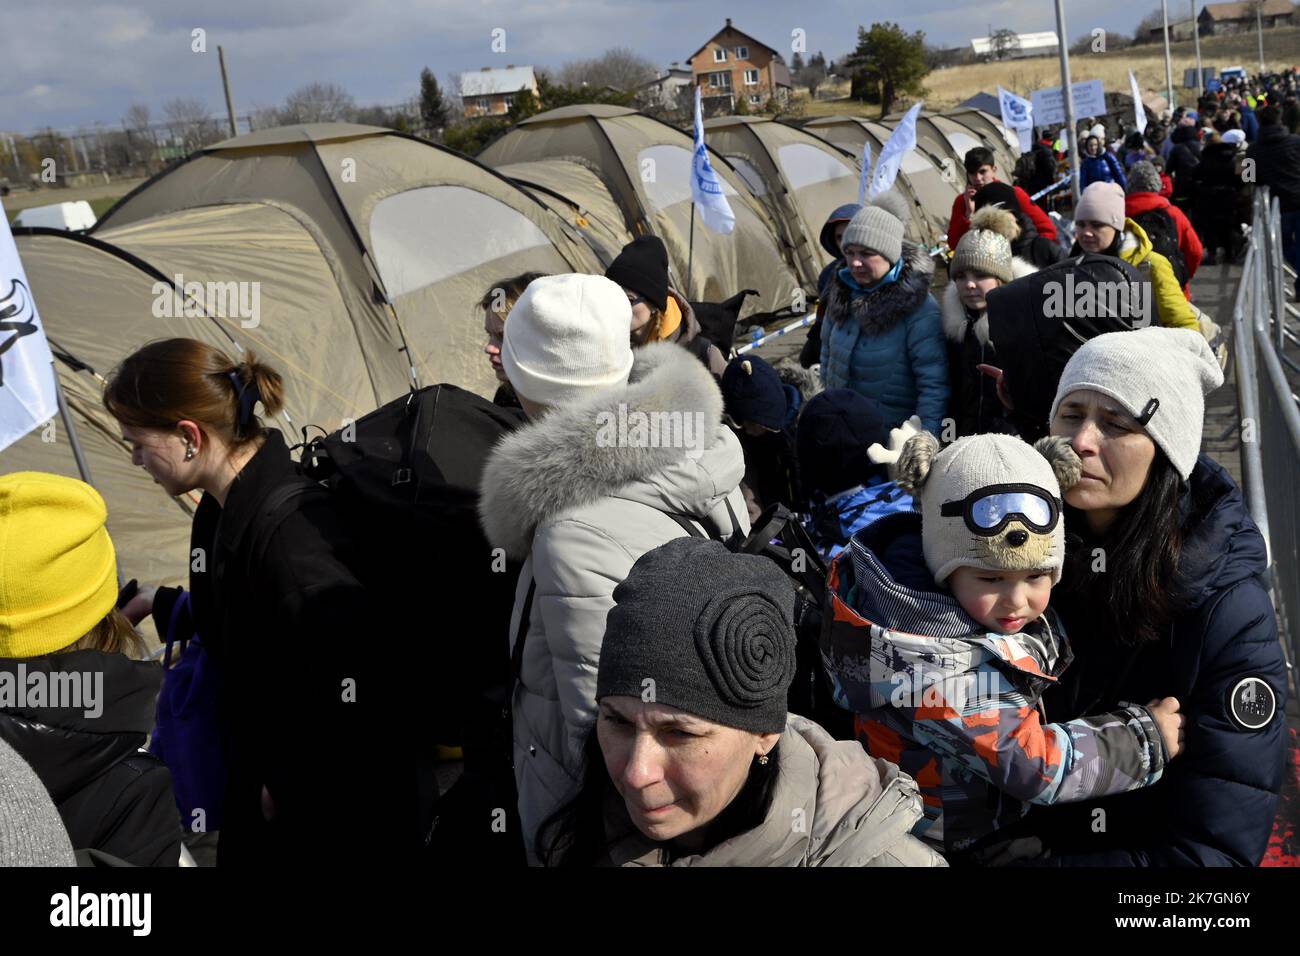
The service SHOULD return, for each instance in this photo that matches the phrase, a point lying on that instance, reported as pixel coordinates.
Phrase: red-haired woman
(278, 608)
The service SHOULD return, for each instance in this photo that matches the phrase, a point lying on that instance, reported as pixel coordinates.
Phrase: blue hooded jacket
(1216, 803)
(887, 342)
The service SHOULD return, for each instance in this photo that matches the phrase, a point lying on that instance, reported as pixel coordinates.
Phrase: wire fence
(1264, 328)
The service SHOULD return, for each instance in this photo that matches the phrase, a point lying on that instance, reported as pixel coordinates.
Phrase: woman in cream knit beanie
(982, 262)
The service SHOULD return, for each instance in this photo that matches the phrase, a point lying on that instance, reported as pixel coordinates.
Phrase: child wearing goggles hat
(942, 644)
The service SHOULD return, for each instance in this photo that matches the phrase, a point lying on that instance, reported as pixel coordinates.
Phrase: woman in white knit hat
(1164, 594)
(622, 448)
(881, 334)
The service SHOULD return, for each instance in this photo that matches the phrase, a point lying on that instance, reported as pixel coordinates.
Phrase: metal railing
(1264, 327)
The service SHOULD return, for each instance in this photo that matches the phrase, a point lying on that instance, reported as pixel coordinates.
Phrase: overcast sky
(70, 63)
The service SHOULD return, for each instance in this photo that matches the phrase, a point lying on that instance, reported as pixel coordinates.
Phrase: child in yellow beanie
(73, 702)
(58, 570)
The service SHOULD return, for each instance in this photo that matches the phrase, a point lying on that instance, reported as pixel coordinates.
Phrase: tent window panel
(914, 163)
(962, 143)
(419, 237)
(806, 165)
(749, 174)
(665, 175)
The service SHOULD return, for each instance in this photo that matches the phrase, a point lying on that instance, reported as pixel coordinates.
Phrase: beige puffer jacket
(834, 805)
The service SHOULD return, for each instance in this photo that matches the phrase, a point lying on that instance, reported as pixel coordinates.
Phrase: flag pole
(690, 252)
(82, 465)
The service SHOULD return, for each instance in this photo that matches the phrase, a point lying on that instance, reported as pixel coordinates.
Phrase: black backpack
(1163, 233)
(404, 480)
(778, 535)
(1034, 346)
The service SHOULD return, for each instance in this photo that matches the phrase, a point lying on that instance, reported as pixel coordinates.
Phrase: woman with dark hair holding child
(1164, 593)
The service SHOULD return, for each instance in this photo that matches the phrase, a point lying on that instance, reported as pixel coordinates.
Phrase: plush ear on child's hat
(1061, 455)
(909, 455)
(882, 455)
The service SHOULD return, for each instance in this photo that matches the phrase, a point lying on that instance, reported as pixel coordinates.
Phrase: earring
(189, 452)
(762, 760)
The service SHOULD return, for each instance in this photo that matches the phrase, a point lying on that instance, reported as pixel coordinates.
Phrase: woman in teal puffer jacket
(883, 336)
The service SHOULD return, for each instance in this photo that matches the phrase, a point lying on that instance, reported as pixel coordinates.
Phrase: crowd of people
(1042, 601)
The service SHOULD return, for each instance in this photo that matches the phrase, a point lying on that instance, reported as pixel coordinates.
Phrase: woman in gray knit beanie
(1164, 592)
(695, 761)
(881, 335)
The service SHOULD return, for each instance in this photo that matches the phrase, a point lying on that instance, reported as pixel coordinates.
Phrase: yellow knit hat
(58, 572)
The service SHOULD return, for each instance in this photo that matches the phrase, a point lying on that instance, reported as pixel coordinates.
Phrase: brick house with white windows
(490, 92)
(733, 65)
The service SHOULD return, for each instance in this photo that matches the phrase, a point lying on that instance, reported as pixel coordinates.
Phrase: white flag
(1017, 115)
(27, 396)
(866, 173)
(1139, 111)
(706, 187)
(900, 141)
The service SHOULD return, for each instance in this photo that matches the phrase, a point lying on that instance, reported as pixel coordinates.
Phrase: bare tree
(264, 117)
(1004, 42)
(451, 94)
(620, 68)
(318, 103)
(137, 118)
(192, 121)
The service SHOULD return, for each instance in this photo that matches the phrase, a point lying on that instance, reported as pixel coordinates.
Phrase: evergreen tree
(433, 106)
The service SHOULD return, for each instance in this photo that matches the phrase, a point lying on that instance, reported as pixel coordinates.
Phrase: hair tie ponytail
(247, 396)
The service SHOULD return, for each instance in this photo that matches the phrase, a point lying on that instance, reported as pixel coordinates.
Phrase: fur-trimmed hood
(954, 313)
(882, 308)
(594, 448)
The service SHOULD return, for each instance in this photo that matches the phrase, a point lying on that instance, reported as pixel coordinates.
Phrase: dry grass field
(948, 87)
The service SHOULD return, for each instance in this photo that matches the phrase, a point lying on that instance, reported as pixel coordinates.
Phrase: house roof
(1240, 11)
(510, 79)
(733, 30)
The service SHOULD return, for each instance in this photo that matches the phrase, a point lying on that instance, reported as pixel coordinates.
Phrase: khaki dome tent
(412, 234)
(576, 194)
(920, 178)
(646, 166)
(800, 177)
(1004, 142)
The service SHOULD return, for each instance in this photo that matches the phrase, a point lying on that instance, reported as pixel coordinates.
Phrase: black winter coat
(112, 796)
(1182, 162)
(290, 632)
(1215, 804)
(1277, 164)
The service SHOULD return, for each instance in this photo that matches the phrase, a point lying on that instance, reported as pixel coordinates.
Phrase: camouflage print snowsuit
(959, 709)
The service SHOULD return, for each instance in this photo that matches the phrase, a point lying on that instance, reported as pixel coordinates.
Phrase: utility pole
(1068, 95)
(1196, 35)
(1169, 72)
(1259, 31)
(225, 83)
